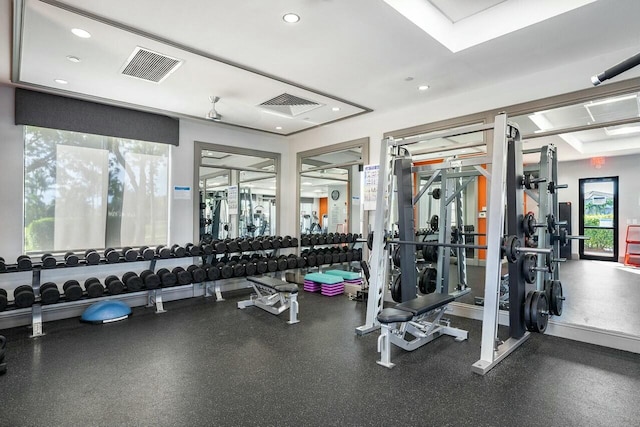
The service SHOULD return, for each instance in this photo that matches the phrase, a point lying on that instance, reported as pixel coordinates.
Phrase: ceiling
(347, 57)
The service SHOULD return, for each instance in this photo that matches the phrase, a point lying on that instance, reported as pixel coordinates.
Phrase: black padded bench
(273, 295)
(410, 319)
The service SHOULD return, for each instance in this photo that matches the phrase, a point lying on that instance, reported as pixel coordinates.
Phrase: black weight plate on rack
(539, 311)
(528, 265)
(396, 291)
(556, 298)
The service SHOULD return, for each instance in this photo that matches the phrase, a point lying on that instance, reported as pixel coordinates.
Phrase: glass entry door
(599, 218)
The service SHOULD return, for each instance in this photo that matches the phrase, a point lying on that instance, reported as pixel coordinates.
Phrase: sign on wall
(370, 187)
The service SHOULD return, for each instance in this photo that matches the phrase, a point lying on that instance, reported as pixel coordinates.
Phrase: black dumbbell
(267, 243)
(220, 247)
(23, 296)
(250, 268)
(198, 275)
(72, 290)
(349, 255)
(93, 287)
(239, 270)
(292, 261)
(3, 299)
(167, 278)
(276, 242)
(322, 239)
(301, 262)
(244, 245)
(311, 260)
(261, 265)
(256, 245)
(130, 254)
(163, 252)
(147, 253)
(178, 251)
(286, 241)
(305, 240)
(114, 285)
(71, 259)
(24, 263)
(207, 249)
(3, 265)
(282, 263)
(184, 277)
(48, 261)
(226, 270)
(91, 257)
(132, 281)
(233, 246)
(150, 279)
(193, 250)
(294, 242)
(49, 293)
(213, 273)
(111, 255)
(272, 265)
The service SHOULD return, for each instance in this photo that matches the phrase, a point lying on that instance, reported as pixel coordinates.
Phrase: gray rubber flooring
(206, 363)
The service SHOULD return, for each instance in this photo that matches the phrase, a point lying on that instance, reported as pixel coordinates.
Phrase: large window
(91, 191)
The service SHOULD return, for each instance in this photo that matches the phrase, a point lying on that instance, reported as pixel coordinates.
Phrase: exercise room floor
(599, 294)
(206, 363)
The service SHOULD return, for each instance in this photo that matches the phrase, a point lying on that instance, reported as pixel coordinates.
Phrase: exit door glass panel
(598, 218)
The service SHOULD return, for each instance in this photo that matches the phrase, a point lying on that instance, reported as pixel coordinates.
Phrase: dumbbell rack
(308, 245)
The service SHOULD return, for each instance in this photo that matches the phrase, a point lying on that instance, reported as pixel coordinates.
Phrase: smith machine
(527, 311)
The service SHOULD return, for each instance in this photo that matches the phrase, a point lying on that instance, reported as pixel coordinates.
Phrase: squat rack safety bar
(520, 249)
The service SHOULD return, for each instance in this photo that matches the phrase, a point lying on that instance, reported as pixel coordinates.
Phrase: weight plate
(527, 311)
(396, 291)
(433, 222)
(540, 311)
(528, 266)
(556, 298)
(396, 257)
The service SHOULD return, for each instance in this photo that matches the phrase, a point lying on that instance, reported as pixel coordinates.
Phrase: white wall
(182, 173)
(626, 169)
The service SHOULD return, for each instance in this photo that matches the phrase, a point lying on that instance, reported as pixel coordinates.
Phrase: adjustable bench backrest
(426, 303)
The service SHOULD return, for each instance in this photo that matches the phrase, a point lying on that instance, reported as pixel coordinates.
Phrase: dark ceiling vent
(290, 105)
(151, 66)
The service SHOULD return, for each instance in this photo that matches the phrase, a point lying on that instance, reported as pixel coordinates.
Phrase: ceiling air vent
(290, 105)
(150, 66)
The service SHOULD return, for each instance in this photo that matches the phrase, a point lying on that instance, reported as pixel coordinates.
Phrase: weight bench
(273, 295)
(421, 318)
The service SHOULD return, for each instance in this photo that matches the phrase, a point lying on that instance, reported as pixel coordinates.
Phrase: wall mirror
(329, 182)
(237, 192)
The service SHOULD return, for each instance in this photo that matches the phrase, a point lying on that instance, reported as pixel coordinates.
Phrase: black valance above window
(59, 112)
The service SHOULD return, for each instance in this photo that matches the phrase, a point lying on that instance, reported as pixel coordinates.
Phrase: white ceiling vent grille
(290, 105)
(148, 65)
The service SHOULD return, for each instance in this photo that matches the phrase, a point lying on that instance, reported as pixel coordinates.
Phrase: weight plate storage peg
(23, 296)
(72, 290)
(49, 293)
(114, 285)
(536, 311)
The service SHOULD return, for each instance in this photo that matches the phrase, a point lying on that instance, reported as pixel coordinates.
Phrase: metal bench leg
(384, 345)
(293, 309)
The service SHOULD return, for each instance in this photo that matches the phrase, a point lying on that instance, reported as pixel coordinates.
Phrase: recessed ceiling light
(408, 79)
(335, 109)
(278, 127)
(291, 18)
(83, 34)
(73, 58)
(423, 87)
(60, 81)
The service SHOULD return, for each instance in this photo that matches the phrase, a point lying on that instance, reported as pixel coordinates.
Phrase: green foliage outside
(39, 235)
(598, 239)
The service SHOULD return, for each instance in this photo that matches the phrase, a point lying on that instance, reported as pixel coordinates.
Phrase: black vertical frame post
(515, 215)
(406, 230)
(615, 228)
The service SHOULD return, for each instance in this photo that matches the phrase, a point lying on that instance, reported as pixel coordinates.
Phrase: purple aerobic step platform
(332, 292)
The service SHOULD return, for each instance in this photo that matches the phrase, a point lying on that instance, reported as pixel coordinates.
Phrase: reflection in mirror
(330, 192)
(237, 194)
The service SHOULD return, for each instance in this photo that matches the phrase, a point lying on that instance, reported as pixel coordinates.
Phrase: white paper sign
(232, 199)
(370, 187)
(181, 192)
